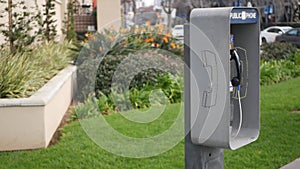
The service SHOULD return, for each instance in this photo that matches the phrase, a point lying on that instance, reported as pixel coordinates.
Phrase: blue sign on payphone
(243, 16)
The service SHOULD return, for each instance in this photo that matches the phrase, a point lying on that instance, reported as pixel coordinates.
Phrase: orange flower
(136, 30)
(168, 35)
(161, 27)
(148, 23)
(87, 34)
(111, 38)
(148, 40)
(143, 30)
(166, 39)
(173, 46)
(178, 46)
(85, 41)
(158, 15)
(155, 45)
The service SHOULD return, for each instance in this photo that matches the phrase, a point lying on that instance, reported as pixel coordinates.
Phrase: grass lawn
(278, 144)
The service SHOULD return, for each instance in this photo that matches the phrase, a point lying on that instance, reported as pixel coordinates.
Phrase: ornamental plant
(49, 23)
(275, 71)
(23, 73)
(18, 32)
(111, 47)
(129, 40)
(69, 29)
(277, 51)
(279, 62)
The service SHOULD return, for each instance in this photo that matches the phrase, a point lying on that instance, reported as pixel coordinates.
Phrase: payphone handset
(235, 81)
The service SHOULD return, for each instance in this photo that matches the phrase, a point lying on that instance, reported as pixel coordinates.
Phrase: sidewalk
(293, 165)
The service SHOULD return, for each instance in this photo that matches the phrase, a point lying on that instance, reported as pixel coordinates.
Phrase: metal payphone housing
(214, 111)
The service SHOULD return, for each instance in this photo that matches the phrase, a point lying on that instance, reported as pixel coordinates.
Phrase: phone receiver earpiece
(236, 81)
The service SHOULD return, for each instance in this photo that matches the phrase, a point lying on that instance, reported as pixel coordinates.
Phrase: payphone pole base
(201, 157)
(196, 157)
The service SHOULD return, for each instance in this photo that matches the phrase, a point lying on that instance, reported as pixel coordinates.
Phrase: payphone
(224, 77)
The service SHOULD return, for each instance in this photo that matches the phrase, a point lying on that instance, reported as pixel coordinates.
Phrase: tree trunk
(169, 22)
(167, 7)
(10, 26)
(134, 10)
(169, 17)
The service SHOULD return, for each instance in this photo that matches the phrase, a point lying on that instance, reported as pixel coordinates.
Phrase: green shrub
(106, 71)
(128, 50)
(24, 73)
(166, 90)
(13, 74)
(296, 58)
(88, 109)
(280, 61)
(126, 64)
(47, 60)
(125, 41)
(114, 46)
(93, 107)
(275, 71)
(115, 69)
(140, 90)
(277, 51)
(171, 88)
(106, 104)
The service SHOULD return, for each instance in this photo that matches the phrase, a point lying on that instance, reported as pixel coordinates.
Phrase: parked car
(268, 35)
(177, 31)
(291, 36)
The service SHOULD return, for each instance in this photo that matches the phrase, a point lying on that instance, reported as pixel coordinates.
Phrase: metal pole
(196, 157)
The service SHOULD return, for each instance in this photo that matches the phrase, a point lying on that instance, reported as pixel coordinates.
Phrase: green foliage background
(279, 62)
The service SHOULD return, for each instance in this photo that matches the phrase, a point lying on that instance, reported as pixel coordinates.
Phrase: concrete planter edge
(29, 123)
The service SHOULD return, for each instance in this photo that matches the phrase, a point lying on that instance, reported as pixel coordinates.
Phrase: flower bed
(149, 53)
(36, 89)
(29, 123)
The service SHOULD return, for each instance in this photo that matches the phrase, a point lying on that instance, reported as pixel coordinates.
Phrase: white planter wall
(29, 123)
